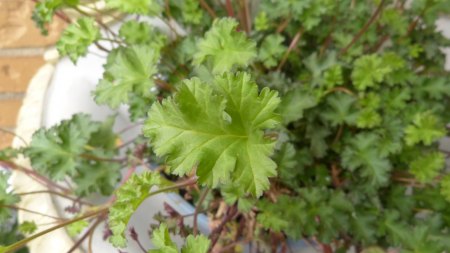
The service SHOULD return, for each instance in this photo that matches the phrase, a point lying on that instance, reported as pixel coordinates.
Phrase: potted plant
(281, 120)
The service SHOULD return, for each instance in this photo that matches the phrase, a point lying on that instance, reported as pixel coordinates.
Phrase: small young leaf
(271, 50)
(75, 40)
(127, 70)
(7, 197)
(225, 47)
(368, 71)
(197, 244)
(425, 128)
(425, 168)
(76, 228)
(27, 227)
(129, 197)
(162, 241)
(151, 7)
(295, 102)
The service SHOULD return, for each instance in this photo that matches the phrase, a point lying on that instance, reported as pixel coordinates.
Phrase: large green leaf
(217, 129)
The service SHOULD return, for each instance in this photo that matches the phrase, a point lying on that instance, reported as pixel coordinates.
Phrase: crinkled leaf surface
(152, 7)
(129, 197)
(6, 197)
(362, 154)
(54, 152)
(295, 102)
(217, 128)
(164, 244)
(369, 70)
(225, 46)
(425, 128)
(127, 70)
(75, 40)
(426, 167)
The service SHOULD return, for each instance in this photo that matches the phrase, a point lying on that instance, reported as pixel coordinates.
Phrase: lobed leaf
(217, 128)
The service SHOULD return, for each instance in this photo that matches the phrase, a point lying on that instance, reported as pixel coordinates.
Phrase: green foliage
(361, 155)
(45, 10)
(7, 197)
(65, 150)
(368, 71)
(225, 47)
(145, 7)
(203, 126)
(271, 50)
(426, 167)
(425, 129)
(128, 70)
(295, 102)
(164, 244)
(350, 155)
(128, 198)
(76, 228)
(27, 227)
(77, 37)
(134, 32)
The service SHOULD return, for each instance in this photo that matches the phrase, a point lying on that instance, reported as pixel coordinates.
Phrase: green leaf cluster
(75, 40)
(79, 148)
(128, 198)
(164, 244)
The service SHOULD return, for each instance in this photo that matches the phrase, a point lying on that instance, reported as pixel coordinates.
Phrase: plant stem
(102, 159)
(205, 6)
(21, 243)
(36, 176)
(215, 234)
(293, 44)
(197, 209)
(229, 8)
(56, 193)
(13, 134)
(364, 28)
(29, 211)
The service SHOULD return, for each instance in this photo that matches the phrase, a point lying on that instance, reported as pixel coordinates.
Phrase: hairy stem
(197, 209)
(364, 28)
(22, 243)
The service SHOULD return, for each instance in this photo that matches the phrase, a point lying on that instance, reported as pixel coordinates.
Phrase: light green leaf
(7, 197)
(77, 37)
(76, 228)
(197, 244)
(27, 227)
(128, 198)
(217, 129)
(162, 241)
(225, 47)
(425, 128)
(151, 7)
(368, 71)
(445, 187)
(135, 32)
(425, 168)
(128, 70)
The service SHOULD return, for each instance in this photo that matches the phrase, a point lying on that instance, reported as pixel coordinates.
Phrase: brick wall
(21, 55)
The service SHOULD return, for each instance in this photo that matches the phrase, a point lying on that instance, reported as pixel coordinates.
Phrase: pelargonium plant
(313, 120)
